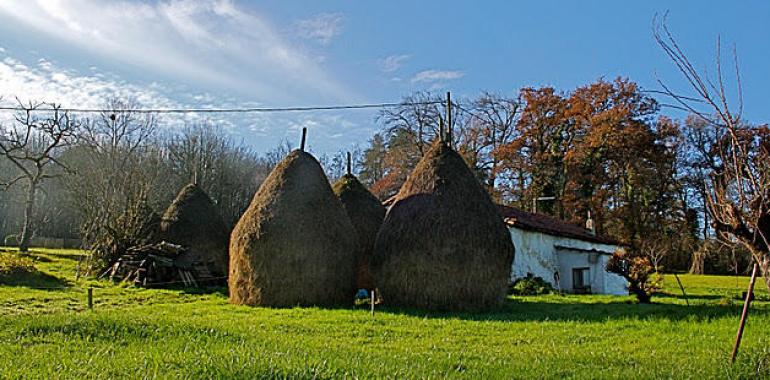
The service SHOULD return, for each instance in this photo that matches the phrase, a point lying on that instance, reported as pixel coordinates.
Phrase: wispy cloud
(394, 62)
(435, 80)
(213, 42)
(322, 27)
(431, 76)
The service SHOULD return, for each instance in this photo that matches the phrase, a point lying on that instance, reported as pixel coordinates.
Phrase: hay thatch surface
(294, 245)
(366, 213)
(192, 220)
(443, 244)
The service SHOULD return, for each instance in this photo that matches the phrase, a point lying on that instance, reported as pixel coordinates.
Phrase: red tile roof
(540, 223)
(549, 225)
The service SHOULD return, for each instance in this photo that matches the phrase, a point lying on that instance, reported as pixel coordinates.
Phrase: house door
(581, 280)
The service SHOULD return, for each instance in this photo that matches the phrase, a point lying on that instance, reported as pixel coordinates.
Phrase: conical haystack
(443, 244)
(192, 220)
(294, 245)
(366, 213)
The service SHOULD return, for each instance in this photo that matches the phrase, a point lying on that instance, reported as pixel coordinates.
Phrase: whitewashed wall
(536, 253)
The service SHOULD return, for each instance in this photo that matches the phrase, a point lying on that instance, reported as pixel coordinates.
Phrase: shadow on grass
(707, 297)
(35, 279)
(41, 256)
(546, 309)
(221, 290)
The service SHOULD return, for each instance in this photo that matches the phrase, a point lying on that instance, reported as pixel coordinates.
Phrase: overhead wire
(214, 110)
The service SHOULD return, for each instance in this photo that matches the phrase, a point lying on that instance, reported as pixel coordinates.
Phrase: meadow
(47, 331)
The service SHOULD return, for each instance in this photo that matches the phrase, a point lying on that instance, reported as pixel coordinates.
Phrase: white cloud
(49, 83)
(393, 62)
(46, 81)
(322, 27)
(432, 76)
(207, 42)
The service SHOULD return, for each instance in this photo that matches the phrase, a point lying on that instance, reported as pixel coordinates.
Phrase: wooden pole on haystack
(745, 313)
(302, 142)
(449, 117)
(350, 169)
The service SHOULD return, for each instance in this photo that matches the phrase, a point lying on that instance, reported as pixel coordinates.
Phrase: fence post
(372, 298)
(90, 298)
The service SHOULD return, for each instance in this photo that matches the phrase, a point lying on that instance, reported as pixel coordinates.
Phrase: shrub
(638, 270)
(14, 265)
(11, 240)
(531, 286)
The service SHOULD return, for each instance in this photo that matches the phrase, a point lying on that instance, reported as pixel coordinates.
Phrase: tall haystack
(295, 244)
(366, 213)
(192, 220)
(443, 244)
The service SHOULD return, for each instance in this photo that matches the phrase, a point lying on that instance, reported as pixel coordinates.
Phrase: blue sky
(220, 53)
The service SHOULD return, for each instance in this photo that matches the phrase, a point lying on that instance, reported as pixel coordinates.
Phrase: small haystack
(295, 244)
(443, 244)
(366, 213)
(193, 221)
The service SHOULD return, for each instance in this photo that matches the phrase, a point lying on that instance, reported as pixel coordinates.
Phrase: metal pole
(745, 313)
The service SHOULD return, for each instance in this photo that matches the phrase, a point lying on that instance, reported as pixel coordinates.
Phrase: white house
(570, 257)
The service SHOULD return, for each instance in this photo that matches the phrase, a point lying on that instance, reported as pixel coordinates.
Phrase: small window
(581, 280)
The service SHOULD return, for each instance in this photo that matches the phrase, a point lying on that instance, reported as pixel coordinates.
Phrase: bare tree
(229, 172)
(419, 115)
(32, 145)
(492, 124)
(121, 179)
(738, 198)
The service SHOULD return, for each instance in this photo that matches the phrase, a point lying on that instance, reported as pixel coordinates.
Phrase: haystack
(366, 213)
(443, 244)
(192, 220)
(295, 244)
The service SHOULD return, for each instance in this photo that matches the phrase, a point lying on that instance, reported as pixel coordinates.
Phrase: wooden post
(90, 298)
(302, 142)
(372, 299)
(350, 170)
(682, 288)
(449, 117)
(744, 314)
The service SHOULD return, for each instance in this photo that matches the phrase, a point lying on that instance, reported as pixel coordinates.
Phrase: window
(581, 280)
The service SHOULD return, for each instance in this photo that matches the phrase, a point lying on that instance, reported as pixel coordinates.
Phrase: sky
(273, 53)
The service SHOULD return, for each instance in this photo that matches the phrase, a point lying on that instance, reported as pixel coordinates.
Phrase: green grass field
(138, 333)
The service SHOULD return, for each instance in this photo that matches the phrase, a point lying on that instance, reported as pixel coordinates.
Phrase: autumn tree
(535, 157)
(33, 145)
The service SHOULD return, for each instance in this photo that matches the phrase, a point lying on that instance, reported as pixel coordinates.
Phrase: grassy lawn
(138, 333)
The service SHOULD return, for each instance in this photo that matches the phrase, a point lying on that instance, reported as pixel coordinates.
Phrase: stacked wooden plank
(159, 265)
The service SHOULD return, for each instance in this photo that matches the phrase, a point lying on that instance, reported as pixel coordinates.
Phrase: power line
(216, 110)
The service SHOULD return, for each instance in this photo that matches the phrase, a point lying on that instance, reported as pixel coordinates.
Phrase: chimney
(590, 226)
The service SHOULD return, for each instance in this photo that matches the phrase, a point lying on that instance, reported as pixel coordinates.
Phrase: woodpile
(160, 265)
